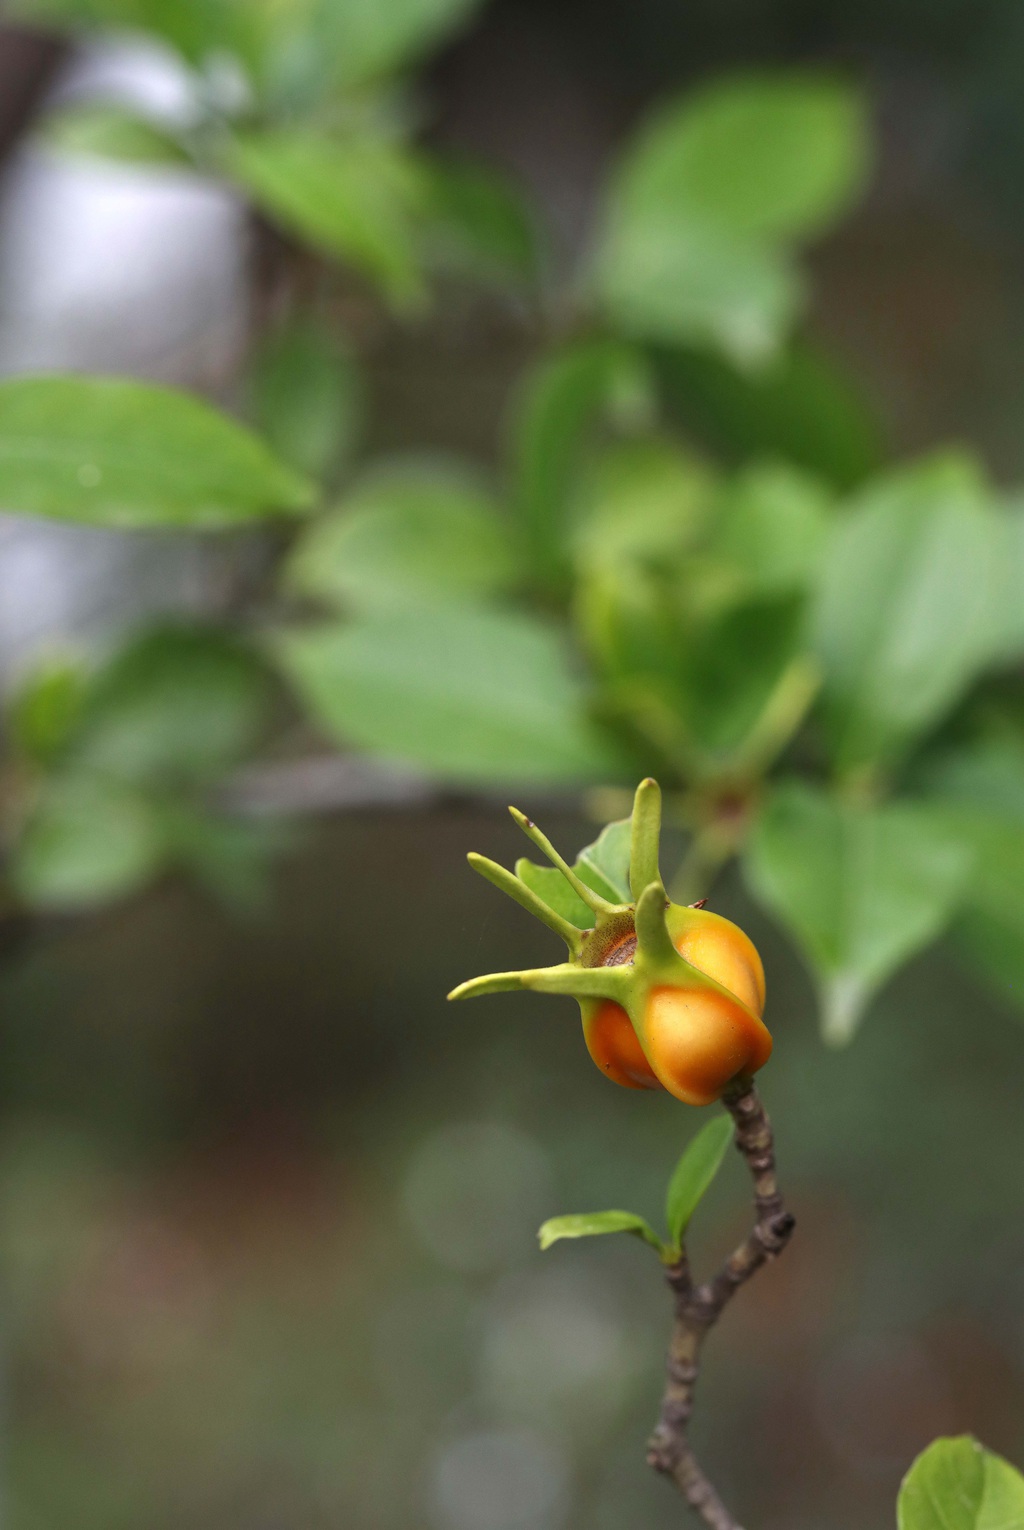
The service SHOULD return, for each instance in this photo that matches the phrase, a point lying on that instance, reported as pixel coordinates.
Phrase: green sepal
(586, 976)
(568, 978)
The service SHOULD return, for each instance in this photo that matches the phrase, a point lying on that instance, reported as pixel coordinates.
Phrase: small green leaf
(693, 1175)
(357, 199)
(85, 842)
(604, 865)
(305, 398)
(904, 610)
(958, 1485)
(472, 695)
(110, 452)
(861, 888)
(551, 886)
(111, 132)
(407, 533)
(594, 1223)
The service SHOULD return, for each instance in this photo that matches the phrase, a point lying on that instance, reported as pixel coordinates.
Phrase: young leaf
(706, 199)
(904, 611)
(594, 1223)
(551, 886)
(472, 695)
(604, 865)
(109, 452)
(356, 199)
(407, 534)
(861, 888)
(305, 398)
(693, 1175)
(958, 1485)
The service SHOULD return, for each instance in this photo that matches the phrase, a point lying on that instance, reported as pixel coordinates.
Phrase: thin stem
(698, 1308)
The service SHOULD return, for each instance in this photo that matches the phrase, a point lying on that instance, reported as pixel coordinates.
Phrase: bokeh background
(268, 1204)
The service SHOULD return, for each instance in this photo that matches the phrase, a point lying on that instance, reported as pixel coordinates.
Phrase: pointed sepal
(645, 837)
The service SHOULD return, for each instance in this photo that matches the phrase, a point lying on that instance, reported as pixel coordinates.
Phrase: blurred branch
(333, 783)
(698, 1308)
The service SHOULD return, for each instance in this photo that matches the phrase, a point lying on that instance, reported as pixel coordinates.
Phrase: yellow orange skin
(695, 1039)
(615, 1047)
(700, 1038)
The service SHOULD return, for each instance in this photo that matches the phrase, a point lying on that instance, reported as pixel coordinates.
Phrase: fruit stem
(698, 1308)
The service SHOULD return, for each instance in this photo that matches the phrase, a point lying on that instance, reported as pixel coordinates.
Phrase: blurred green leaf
(305, 398)
(796, 407)
(472, 695)
(594, 1223)
(359, 200)
(565, 400)
(631, 625)
(364, 40)
(175, 704)
(706, 198)
(129, 454)
(667, 278)
(111, 132)
(86, 841)
(187, 24)
(45, 707)
(771, 529)
(734, 666)
(958, 1485)
(479, 224)
(980, 788)
(1008, 604)
(904, 611)
(861, 888)
(694, 1174)
(644, 499)
(407, 533)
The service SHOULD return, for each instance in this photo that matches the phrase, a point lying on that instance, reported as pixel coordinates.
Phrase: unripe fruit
(671, 996)
(690, 1040)
(615, 1047)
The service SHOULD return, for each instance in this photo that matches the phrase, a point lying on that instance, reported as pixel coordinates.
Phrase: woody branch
(698, 1308)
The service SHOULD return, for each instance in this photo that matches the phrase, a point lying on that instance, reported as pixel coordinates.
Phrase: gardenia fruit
(671, 996)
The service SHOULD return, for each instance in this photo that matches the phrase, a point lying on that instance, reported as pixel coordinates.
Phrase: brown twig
(698, 1308)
